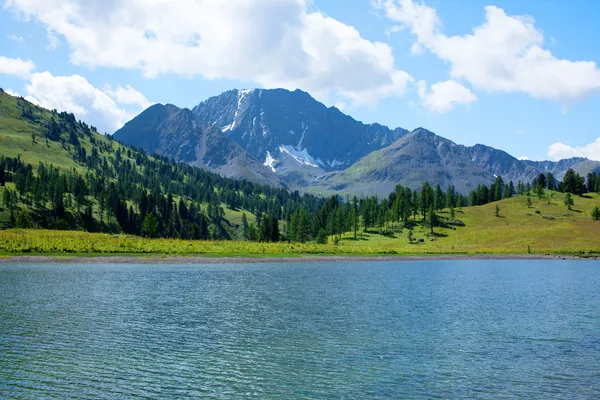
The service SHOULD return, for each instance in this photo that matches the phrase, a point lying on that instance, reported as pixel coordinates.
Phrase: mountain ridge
(309, 147)
(179, 134)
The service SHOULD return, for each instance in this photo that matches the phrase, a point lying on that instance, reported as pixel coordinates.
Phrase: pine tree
(410, 236)
(596, 213)
(321, 237)
(432, 219)
(569, 200)
(497, 211)
(539, 190)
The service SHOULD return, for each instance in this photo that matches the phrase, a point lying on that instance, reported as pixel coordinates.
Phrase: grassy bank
(547, 227)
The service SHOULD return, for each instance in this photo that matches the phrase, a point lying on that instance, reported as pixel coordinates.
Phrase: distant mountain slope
(411, 160)
(177, 133)
(502, 164)
(558, 168)
(288, 138)
(291, 132)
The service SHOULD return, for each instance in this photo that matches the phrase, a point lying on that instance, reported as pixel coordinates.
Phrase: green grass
(517, 230)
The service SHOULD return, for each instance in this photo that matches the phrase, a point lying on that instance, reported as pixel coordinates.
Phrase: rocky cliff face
(290, 132)
(179, 134)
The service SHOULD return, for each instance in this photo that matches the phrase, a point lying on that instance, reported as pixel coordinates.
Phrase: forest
(112, 188)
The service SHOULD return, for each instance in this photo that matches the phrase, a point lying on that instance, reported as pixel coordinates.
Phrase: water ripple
(422, 330)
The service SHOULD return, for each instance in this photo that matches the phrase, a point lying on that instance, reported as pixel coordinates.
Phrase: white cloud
(76, 95)
(523, 158)
(504, 54)
(12, 92)
(53, 41)
(273, 43)
(558, 151)
(128, 95)
(16, 67)
(444, 96)
(15, 38)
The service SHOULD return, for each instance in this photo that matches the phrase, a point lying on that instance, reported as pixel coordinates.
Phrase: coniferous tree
(596, 213)
(432, 219)
(321, 237)
(569, 200)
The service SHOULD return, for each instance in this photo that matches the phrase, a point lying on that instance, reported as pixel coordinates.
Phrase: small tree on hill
(569, 200)
(410, 236)
(596, 214)
(150, 226)
(497, 212)
(432, 219)
(528, 202)
(539, 189)
(321, 237)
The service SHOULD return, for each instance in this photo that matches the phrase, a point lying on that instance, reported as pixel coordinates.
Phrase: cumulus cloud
(16, 67)
(128, 95)
(76, 95)
(273, 43)
(504, 54)
(12, 92)
(444, 96)
(558, 151)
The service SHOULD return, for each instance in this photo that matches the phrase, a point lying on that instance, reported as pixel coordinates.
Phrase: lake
(419, 330)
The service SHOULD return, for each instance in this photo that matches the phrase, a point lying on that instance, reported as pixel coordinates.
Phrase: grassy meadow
(547, 227)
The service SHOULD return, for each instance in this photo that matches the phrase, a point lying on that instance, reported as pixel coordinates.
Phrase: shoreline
(157, 259)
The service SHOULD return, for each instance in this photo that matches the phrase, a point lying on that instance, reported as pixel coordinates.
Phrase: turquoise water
(419, 330)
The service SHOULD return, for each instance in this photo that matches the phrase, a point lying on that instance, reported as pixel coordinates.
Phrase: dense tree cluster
(572, 183)
(125, 190)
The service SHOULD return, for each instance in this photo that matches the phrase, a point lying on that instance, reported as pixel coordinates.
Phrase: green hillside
(59, 174)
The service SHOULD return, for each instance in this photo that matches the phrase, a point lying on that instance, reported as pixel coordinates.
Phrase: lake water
(419, 330)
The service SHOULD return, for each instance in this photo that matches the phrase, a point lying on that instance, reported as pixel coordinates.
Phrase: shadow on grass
(438, 235)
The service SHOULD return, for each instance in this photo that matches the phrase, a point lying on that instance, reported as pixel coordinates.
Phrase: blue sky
(521, 76)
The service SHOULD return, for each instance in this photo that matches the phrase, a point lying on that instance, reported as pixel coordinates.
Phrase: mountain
(177, 133)
(289, 139)
(411, 160)
(502, 164)
(579, 164)
(297, 137)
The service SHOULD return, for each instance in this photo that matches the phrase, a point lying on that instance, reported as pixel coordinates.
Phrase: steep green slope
(59, 173)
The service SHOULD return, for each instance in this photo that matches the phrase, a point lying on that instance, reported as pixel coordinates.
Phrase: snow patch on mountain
(335, 163)
(241, 95)
(270, 162)
(300, 155)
